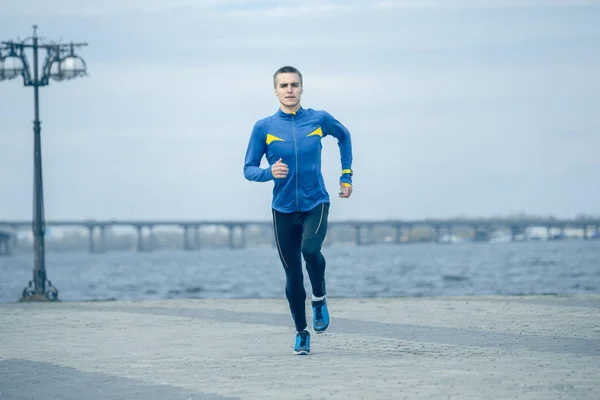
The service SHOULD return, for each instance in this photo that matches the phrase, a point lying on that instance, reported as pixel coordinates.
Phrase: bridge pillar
(358, 235)
(243, 236)
(140, 238)
(186, 238)
(12, 242)
(197, 237)
(232, 229)
(151, 238)
(398, 234)
(188, 243)
(514, 231)
(150, 243)
(102, 239)
(437, 236)
(92, 245)
(4, 245)
(92, 239)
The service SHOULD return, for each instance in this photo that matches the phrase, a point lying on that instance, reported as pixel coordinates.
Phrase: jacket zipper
(296, 149)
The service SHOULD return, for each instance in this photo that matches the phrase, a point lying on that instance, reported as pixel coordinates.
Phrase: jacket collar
(283, 115)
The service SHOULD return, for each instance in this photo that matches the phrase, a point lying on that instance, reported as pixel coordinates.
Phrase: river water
(419, 269)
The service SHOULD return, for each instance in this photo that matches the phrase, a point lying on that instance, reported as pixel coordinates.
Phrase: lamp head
(11, 66)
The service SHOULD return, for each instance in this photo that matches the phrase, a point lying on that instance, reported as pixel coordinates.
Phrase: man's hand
(345, 190)
(279, 169)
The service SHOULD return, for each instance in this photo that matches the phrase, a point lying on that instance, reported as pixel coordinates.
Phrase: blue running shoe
(302, 346)
(320, 316)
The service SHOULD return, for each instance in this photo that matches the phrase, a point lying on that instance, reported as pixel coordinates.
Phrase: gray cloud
(469, 107)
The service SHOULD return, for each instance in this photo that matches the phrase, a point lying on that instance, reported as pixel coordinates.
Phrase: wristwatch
(347, 171)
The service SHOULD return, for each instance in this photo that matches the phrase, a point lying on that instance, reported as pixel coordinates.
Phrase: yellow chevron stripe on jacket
(272, 138)
(316, 132)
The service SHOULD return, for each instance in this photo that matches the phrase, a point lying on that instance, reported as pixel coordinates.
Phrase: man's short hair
(286, 69)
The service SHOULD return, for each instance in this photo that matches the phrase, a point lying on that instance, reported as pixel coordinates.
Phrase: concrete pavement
(542, 347)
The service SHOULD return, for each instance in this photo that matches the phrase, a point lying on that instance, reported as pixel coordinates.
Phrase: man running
(291, 141)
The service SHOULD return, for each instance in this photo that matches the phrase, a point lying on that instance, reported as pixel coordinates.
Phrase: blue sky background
(474, 108)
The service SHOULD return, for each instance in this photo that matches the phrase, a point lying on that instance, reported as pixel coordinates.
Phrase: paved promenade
(403, 348)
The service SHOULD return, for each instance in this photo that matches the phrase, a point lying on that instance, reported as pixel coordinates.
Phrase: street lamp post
(61, 63)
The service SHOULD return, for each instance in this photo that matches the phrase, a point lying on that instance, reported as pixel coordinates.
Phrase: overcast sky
(456, 107)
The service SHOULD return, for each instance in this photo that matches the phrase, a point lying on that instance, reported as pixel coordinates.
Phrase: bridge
(482, 229)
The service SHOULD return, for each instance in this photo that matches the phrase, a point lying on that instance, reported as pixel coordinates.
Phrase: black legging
(301, 234)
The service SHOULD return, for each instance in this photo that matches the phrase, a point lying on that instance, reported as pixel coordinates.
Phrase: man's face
(288, 89)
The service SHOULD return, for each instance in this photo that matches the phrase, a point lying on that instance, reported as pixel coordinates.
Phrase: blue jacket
(296, 138)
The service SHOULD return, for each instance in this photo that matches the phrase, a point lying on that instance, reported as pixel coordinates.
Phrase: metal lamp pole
(61, 63)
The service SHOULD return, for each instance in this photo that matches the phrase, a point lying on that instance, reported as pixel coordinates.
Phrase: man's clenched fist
(279, 169)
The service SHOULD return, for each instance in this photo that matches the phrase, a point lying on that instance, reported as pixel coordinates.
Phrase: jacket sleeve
(257, 147)
(335, 128)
